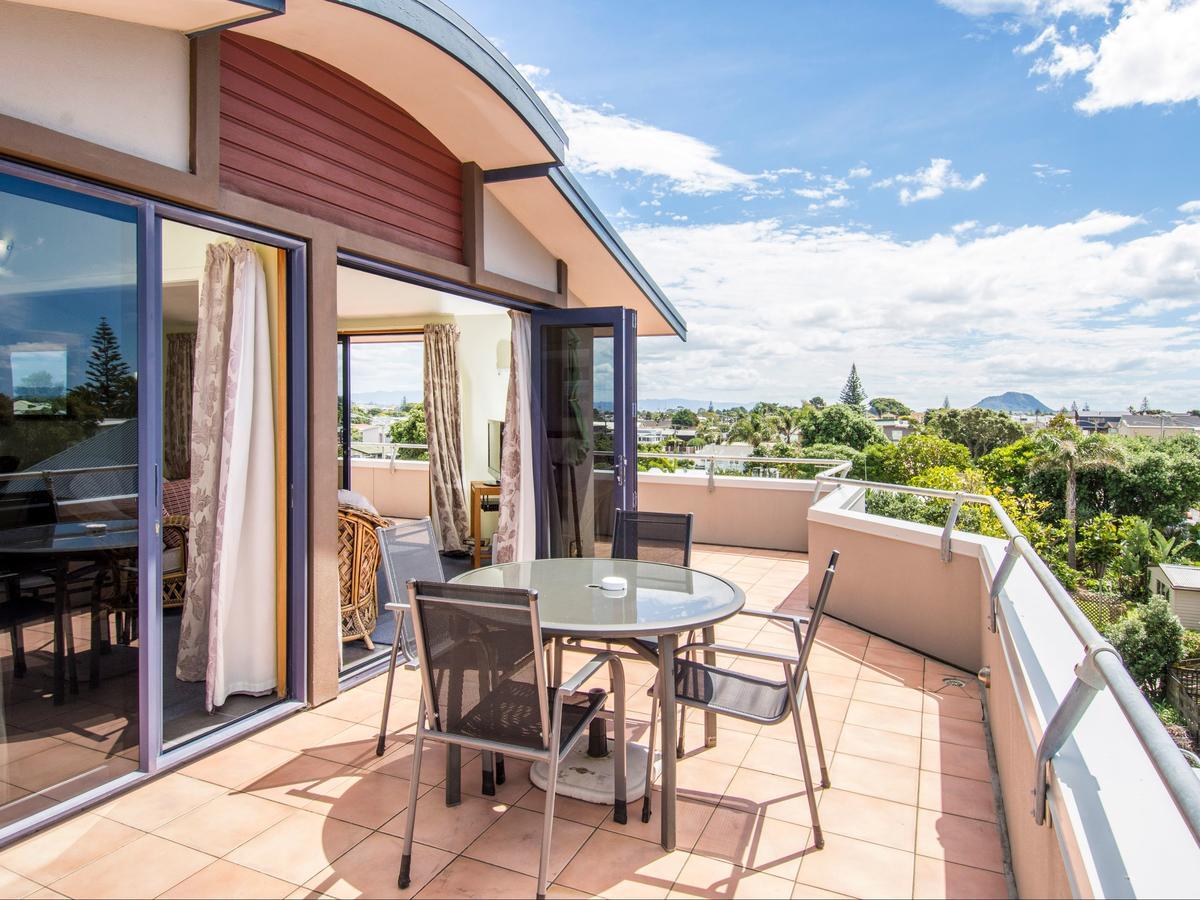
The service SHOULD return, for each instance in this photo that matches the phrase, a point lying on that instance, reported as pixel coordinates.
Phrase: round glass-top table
(658, 598)
(659, 601)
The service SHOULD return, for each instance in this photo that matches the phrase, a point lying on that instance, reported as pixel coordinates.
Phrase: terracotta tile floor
(306, 809)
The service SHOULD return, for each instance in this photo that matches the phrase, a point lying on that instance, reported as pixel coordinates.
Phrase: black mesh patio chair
(754, 698)
(653, 537)
(484, 687)
(408, 550)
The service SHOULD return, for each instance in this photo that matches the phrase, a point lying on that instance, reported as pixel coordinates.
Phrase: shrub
(1191, 644)
(1150, 640)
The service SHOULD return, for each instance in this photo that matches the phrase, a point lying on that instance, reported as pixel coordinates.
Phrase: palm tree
(754, 428)
(791, 423)
(1066, 448)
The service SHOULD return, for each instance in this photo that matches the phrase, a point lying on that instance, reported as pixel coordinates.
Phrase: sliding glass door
(585, 431)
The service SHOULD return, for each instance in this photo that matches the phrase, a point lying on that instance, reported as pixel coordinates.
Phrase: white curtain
(443, 427)
(516, 539)
(227, 634)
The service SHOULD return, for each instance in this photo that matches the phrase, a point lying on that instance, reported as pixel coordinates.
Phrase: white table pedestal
(591, 779)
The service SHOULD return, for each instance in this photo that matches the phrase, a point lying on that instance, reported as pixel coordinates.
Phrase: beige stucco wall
(484, 343)
(119, 85)
(400, 490)
(736, 514)
(511, 250)
(1037, 861)
(903, 590)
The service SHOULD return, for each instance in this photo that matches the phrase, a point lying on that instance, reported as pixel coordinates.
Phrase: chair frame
(552, 752)
(796, 678)
(400, 611)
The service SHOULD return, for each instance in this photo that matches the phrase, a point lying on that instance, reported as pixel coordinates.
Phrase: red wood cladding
(298, 133)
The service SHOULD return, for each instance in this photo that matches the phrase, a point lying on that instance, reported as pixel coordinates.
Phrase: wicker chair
(175, 560)
(358, 563)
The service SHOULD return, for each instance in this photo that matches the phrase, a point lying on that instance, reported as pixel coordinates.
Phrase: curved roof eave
(437, 23)
(599, 225)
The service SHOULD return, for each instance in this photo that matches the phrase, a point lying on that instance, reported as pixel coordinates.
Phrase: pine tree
(853, 393)
(946, 402)
(110, 387)
(1145, 404)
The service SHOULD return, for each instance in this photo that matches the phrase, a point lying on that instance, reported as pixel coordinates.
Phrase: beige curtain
(443, 424)
(227, 633)
(515, 539)
(177, 404)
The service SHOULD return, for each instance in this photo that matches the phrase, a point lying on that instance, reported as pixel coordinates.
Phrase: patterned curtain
(515, 539)
(227, 632)
(443, 424)
(177, 404)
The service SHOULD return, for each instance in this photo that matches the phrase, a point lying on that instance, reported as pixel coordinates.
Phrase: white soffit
(362, 296)
(593, 275)
(441, 93)
(186, 16)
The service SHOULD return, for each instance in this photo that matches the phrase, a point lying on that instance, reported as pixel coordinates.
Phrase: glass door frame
(151, 756)
(623, 323)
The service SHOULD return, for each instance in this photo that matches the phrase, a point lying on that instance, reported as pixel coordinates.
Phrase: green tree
(410, 430)
(1150, 641)
(841, 424)
(889, 406)
(1099, 543)
(754, 428)
(110, 387)
(817, 402)
(852, 392)
(1132, 566)
(684, 418)
(979, 430)
(1009, 465)
(790, 421)
(912, 456)
(1064, 447)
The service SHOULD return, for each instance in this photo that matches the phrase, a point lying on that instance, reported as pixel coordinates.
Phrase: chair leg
(499, 768)
(18, 644)
(818, 837)
(548, 816)
(812, 712)
(655, 709)
(387, 694)
(679, 749)
(453, 775)
(414, 788)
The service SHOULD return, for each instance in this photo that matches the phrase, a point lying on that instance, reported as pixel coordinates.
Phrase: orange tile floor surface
(305, 808)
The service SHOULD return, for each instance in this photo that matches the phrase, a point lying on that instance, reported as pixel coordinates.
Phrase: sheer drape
(516, 538)
(443, 425)
(227, 633)
(177, 404)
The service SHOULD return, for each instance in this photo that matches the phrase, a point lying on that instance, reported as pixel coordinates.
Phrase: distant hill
(1015, 402)
(658, 405)
(388, 398)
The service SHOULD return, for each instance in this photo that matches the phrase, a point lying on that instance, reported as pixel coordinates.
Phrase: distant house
(1102, 422)
(1157, 426)
(895, 429)
(1181, 586)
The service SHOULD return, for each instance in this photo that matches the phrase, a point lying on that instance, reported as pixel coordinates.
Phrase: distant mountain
(1015, 402)
(387, 398)
(658, 405)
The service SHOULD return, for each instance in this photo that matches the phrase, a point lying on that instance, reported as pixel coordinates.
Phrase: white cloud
(931, 182)
(777, 311)
(1064, 59)
(1047, 172)
(1151, 56)
(1192, 206)
(859, 172)
(1030, 9)
(964, 227)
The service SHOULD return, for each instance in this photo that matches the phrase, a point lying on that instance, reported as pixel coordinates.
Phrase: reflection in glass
(578, 406)
(68, 495)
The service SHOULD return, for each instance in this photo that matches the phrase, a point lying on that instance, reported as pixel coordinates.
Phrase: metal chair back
(408, 550)
(818, 612)
(482, 666)
(653, 537)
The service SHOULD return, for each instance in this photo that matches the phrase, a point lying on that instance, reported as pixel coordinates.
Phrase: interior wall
(119, 85)
(484, 354)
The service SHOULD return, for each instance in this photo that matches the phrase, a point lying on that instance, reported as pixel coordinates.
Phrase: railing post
(1089, 681)
(711, 468)
(951, 519)
(1011, 553)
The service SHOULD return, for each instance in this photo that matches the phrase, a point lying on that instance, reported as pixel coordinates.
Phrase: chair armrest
(397, 606)
(586, 671)
(740, 651)
(776, 616)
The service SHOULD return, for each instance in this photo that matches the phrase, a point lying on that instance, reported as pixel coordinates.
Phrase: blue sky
(962, 197)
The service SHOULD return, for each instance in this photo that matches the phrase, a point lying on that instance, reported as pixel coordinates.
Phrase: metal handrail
(46, 474)
(1100, 668)
(835, 466)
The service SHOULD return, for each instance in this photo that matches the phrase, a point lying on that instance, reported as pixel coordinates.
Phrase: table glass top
(658, 599)
(68, 537)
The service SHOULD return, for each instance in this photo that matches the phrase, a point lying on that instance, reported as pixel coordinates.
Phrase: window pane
(68, 494)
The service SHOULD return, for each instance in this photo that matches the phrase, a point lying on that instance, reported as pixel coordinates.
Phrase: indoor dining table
(659, 601)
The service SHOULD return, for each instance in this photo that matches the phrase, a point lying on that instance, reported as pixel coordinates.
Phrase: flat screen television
(495, 447)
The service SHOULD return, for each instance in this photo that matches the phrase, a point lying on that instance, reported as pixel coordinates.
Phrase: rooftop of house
(1170, 420)
(306, 808)
(1182, 576)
